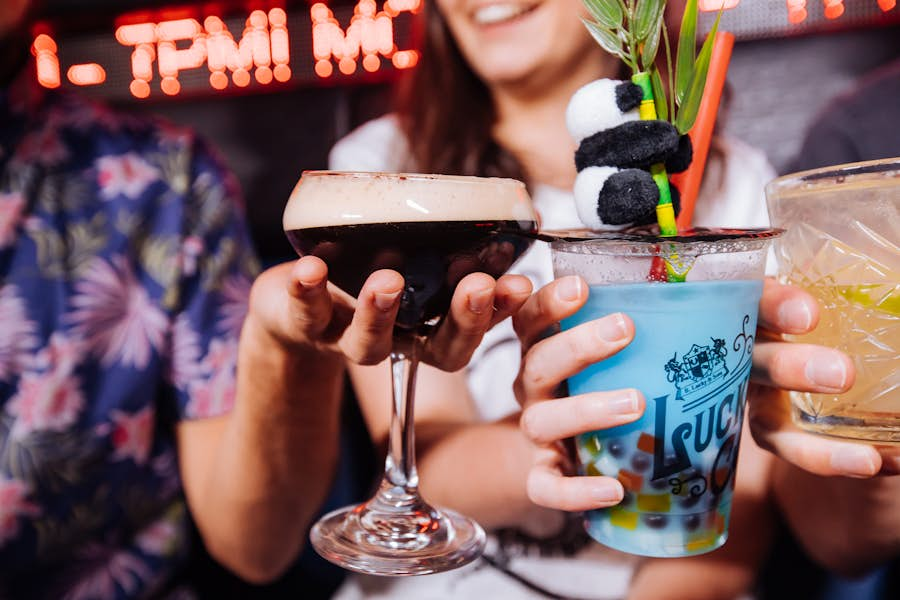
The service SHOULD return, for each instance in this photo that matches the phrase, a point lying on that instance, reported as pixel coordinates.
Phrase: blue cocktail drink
(677, 463)
(691, 359)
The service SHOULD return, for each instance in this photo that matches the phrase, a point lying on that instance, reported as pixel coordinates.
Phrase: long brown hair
(446, 112)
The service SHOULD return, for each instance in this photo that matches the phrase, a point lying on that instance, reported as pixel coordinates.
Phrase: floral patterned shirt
(125, 267)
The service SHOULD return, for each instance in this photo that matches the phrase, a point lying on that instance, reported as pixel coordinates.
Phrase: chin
(511, 67)
(507, 77)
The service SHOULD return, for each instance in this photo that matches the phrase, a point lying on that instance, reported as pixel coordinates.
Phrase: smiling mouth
(503, 12)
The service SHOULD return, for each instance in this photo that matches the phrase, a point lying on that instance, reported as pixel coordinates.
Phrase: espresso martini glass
(434, 230)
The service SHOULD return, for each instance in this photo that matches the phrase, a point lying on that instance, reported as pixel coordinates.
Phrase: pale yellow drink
(843, 246)
(864, 322)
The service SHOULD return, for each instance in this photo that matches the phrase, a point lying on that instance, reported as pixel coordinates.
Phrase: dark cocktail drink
(433, 230)
(432, 256)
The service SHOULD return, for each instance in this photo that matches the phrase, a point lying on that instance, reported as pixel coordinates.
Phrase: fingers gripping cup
(690, 358)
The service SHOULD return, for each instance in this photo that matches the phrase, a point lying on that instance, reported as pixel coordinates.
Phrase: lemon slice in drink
(868, 297)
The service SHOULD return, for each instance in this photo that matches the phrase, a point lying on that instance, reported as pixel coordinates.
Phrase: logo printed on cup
(702, 380)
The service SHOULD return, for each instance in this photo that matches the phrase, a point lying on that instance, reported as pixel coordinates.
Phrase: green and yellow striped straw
(665, 212)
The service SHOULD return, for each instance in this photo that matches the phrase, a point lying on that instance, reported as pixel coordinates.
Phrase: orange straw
(688, 182)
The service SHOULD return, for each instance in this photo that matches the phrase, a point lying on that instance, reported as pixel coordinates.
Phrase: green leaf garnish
(659, 96)
(651, 45)
(607, 14)
(607, 39)
(687, 46)
(646, 18)
(687, 112)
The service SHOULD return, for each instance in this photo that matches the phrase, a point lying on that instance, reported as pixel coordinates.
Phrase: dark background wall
(780, 85)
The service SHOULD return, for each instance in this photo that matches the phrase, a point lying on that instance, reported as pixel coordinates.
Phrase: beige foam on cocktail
(333, 198)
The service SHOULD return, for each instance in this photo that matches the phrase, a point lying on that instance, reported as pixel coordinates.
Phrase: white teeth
(497, 13)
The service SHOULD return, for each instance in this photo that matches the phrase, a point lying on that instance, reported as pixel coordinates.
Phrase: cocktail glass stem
(400, 466)
(397, 516)
(397, 532)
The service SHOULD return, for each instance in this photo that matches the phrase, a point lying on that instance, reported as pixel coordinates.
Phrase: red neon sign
(46, 62)
(86, 74)
(370, 33)
(797, 12)
(262, 51)
(833, 9)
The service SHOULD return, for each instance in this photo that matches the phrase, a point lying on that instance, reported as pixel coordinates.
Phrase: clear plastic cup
(691, 359)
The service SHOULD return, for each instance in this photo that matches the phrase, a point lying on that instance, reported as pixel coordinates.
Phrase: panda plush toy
(613, 188)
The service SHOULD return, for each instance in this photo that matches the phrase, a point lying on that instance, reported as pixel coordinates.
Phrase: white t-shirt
(732, 195)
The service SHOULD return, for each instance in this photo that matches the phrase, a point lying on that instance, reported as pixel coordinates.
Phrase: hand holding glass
(690, 358)
(433, 230)
(843, 246)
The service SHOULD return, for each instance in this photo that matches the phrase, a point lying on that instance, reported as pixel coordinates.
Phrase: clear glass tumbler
(842, 245)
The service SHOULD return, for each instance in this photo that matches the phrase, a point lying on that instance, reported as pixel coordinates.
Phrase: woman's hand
(848, 523)
(547, 420)
(779, 366)
(294, 305)
(250, 497)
